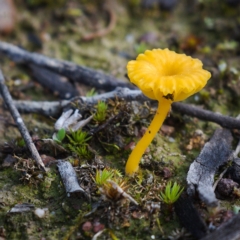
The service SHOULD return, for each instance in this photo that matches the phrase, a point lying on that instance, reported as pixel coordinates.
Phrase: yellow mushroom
(168, 77)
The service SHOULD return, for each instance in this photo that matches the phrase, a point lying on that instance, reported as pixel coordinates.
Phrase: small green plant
(91, 93)
(78, 138)
(171, 193)
(107, 174)
(236, 209)
(78, 143)
(81, 151)
(140, 48)
(60, 135)
(102, 176)
(101, 113)
(111, 184)
(20, 142)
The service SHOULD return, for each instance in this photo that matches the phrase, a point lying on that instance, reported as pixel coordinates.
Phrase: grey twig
(19, 121)
(55, 108)
(69, 179)
(72, 71)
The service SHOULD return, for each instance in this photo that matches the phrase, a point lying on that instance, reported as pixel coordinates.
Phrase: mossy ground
(208, 30)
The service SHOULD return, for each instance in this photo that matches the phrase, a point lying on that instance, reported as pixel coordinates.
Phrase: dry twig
(55, 108)
(19, 121)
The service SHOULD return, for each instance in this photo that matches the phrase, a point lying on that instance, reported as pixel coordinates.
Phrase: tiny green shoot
(171, 193)
(78, 138)
(78, 143)
(20, 142)
(140, 48)
(236, 209)
(81, 151)
(91, 93)
(107, 174)
(60, 135)
(102, 176)
(101, 113)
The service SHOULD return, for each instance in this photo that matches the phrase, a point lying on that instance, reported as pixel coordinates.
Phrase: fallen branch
(19, 121)
(54, 82)
(200, 176)
(206, 115)
(84, 75)
(54, 109)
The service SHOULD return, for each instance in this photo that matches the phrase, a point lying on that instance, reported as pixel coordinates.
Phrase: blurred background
(105, 34)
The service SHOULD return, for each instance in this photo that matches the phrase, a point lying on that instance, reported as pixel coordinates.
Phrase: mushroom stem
(135, 156)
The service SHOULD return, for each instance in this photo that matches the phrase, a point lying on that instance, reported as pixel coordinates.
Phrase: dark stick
(72, 71)
(206, 115)
(229, 230)
(19, 121)
(54, 82)
(189, 217)
(55, 108)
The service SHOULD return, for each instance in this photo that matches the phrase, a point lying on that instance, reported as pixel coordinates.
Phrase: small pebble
(167, 173)
(40, 212)
(87, 226)
(97, 226)
(225, 186)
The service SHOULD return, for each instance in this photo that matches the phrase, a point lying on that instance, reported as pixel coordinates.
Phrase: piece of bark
(54, 82)
(69, 179)
(189, 217)
(81, 74)
(20, 208)
(200, 176)
(228, 231)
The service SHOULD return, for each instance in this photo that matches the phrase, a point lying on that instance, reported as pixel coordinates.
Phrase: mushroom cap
(164, 73)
